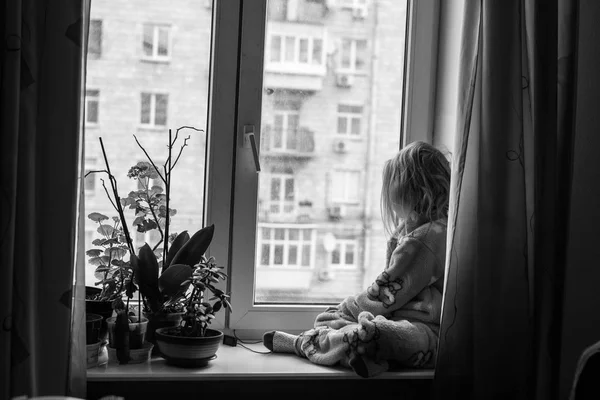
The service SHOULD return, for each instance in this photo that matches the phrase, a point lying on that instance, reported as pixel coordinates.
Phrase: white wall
(581, 319)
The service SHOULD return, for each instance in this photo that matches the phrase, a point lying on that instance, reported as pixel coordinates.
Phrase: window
(284, 89)
(344, 255)
(156, 44)
(353, 55)
(345, 187)
(285, 130)
(282, 194)
(92, 106)
(296, 50)
(349, 120)
(90, 180)
(154, 109)
(285, 246)
(95, 38)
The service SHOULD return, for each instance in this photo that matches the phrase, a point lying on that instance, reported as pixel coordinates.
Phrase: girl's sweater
(411, 285)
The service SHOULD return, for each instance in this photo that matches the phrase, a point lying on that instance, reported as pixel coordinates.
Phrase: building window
(89, 182)
(349, 120)
(345, 187)
(344, 255)
(296, 50)
(285, 246)
(154, 109)
(285, 130)
(157, 42)
(92, 105)
(281, 194)
(353, 55)
(95, 38)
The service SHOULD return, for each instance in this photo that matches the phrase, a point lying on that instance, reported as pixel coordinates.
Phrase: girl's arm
(412, 267)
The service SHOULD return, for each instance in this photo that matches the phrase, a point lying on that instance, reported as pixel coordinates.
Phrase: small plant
(107, 255)
(180, 282)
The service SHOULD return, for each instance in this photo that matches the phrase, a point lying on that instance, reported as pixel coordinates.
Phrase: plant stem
(168, 194)
(149, 159)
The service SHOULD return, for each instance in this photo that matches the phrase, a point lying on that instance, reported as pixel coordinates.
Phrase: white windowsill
(238, 363)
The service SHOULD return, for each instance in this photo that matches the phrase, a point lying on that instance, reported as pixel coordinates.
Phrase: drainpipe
(367, 215)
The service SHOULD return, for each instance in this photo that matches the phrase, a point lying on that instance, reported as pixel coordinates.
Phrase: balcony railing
(299, 143)
(290, 212)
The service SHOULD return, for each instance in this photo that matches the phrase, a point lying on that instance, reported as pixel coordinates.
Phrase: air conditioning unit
(339, 146)
(344, 80)
(336, 212)
(325, 274)
(359, 12)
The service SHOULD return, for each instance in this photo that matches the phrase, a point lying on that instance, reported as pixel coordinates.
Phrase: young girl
(395, 320)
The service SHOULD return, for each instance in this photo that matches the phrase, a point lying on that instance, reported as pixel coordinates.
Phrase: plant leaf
(98, 242)
(145, 270)
(177, 244)
(170, 282)
(192, 251)
(105, 230)
(93, 252)
(115, 252)
(97, 217)
(95, 261)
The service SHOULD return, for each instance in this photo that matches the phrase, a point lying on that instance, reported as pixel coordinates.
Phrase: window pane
(278, 255)
(265, 254)
(95, 38)
(290, 49)
(163, 42)
(317, 53)
(161, 110)
(146, 104)
(148, 41)
(275, 188)
(328, 189)
(135, 101)
(276, 49)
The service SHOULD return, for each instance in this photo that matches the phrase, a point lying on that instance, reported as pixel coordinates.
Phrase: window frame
(100, 34)
(156, 27)
(344, 242)
(152, 117)
(346, 173)
(353, 57)
(349, 116)
(251, 319)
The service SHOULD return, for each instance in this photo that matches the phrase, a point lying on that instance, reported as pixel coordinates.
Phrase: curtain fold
(40, 180)
(501, 320)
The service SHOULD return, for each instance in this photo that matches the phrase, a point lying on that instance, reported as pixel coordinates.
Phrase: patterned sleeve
(410, 269)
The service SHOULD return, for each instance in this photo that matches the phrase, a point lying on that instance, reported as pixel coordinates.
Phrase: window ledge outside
(238, 363)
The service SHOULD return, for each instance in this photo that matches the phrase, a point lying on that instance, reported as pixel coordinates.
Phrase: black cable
(241, 342)
(254, 351)
(245, 341)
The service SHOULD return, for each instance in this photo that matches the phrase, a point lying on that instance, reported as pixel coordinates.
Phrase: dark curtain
(501, 321)
(42, 343)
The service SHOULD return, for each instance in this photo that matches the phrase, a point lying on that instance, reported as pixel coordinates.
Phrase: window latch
(250, 142)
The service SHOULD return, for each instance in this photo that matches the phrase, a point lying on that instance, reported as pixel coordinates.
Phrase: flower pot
(136, 356)
(160, 320)
(137, 332)
(93, 324)
(185, 351)
(92, 350)
(103, 308)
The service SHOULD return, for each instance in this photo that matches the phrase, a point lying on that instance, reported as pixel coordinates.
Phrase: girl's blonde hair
(417, 179)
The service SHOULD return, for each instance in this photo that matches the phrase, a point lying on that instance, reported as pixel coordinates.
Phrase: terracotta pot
(188, 351)
(93, 324)
(137, 332)
(160, 320)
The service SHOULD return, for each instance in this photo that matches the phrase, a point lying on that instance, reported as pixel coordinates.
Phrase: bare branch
(108, 195)
(180, 151)
(150, 159)
(172, 142)
(95, 172)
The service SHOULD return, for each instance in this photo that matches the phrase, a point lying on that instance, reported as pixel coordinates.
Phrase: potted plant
(152, 212)
(112, 272)
(93, 324)
(192, 343)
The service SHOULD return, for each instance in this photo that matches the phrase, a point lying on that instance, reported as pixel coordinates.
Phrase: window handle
(250, 141)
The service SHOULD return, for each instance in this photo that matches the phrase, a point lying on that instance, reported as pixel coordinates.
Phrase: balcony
(295, 56)
(293, 143)
(285, 212)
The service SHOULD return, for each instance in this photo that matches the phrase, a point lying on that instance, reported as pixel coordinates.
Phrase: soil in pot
(185, 351)
(160, 320)
(137, 332)
(93, 325)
